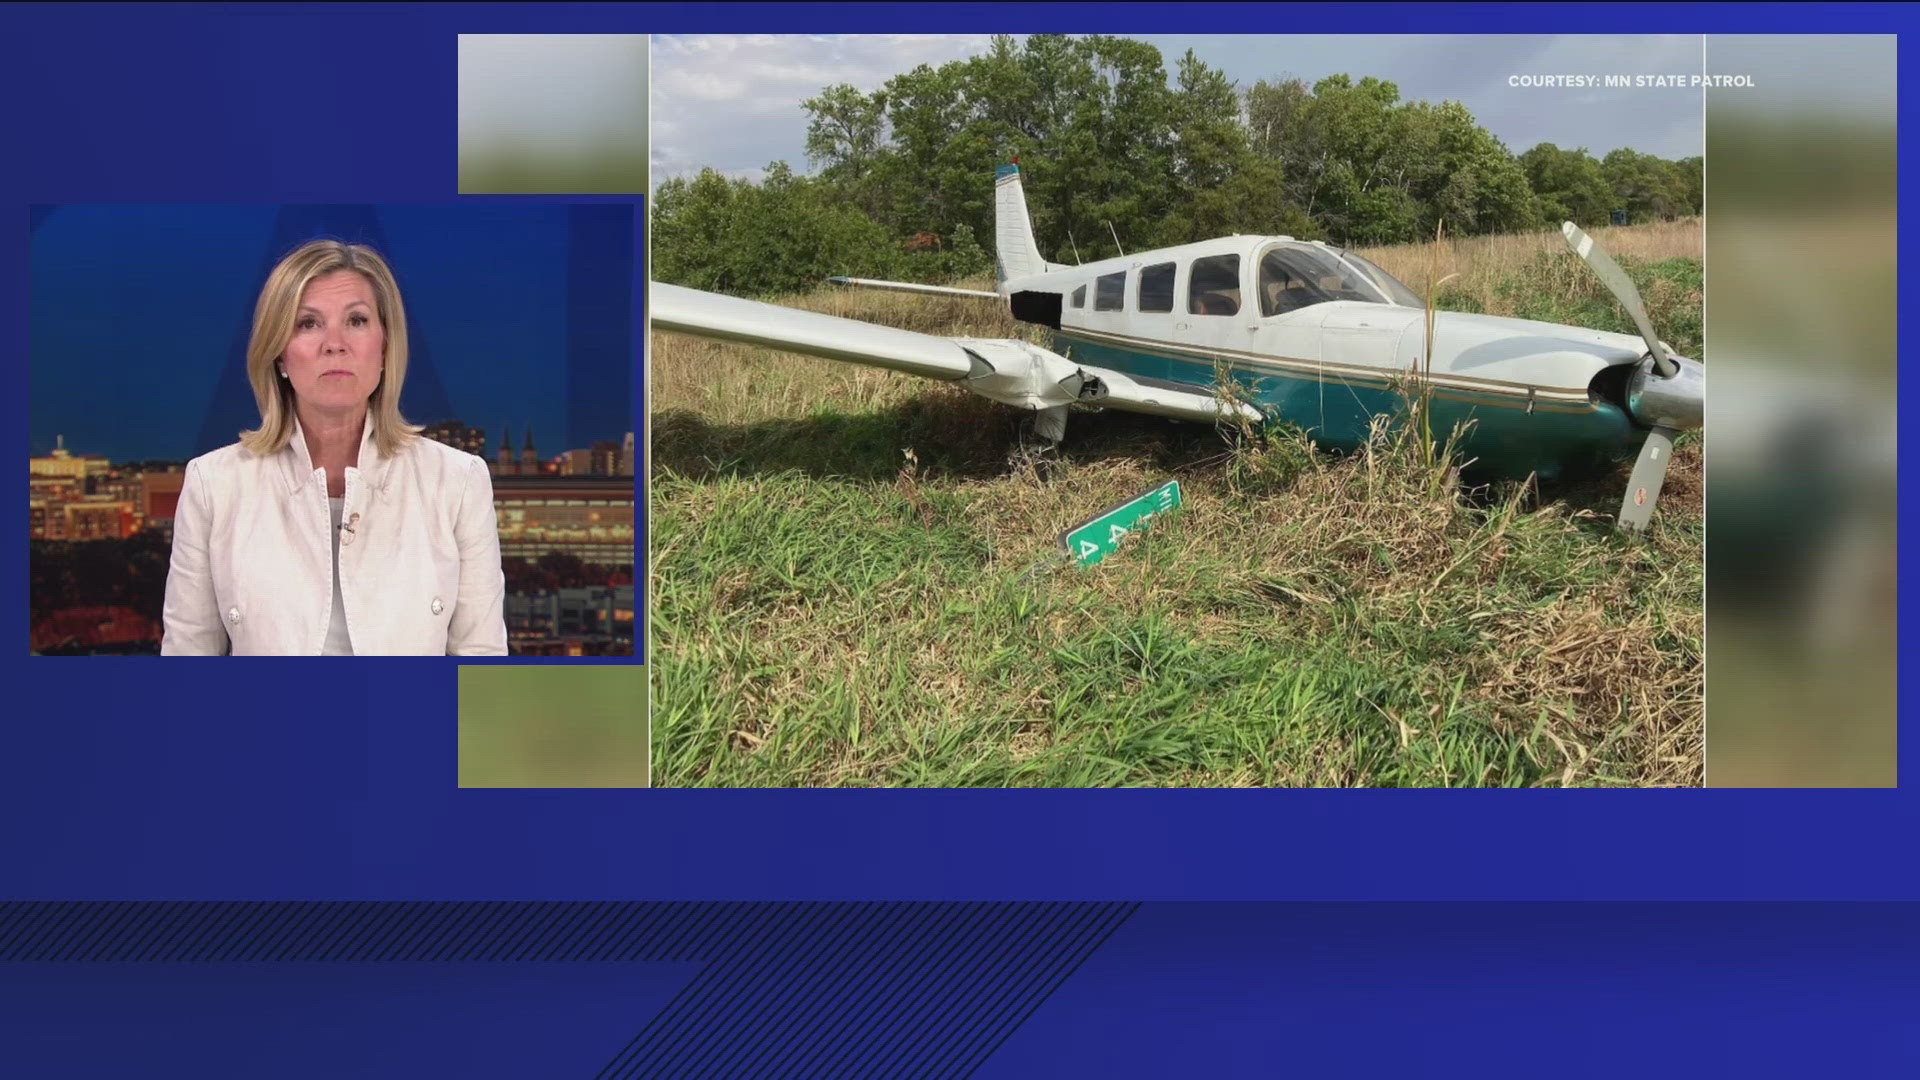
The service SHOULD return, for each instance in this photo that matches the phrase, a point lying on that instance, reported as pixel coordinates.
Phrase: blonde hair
(274, 316)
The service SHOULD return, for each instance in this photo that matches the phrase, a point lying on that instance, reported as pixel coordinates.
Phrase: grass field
(853, 582)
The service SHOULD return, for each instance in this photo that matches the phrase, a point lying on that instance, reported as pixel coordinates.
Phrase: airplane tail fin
(1016, 254)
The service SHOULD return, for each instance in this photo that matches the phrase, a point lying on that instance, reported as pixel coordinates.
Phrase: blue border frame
(170, 781)
(161, 780)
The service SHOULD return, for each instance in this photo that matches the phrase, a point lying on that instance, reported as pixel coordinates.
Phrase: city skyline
(60, 444)
(83, 496)
(567, 523)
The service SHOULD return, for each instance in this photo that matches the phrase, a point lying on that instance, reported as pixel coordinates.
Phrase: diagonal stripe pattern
(788, 989)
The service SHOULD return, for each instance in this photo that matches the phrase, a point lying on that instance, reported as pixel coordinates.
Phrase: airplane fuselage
(1325, 340)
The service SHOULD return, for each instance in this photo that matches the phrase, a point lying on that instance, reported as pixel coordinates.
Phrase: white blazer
(252, 568)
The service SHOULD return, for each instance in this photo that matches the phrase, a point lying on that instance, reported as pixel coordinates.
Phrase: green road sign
(1094, 540)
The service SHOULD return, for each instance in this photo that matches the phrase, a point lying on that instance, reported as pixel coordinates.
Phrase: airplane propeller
(1667, 394)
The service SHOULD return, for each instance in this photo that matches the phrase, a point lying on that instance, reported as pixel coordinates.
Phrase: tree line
(1114, 153)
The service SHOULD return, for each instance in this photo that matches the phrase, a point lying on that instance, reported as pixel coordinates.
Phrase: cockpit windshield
(1298, 275)
(1389, 284)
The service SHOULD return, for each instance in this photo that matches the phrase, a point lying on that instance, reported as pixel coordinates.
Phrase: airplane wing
(912, 287)
(1006, 370)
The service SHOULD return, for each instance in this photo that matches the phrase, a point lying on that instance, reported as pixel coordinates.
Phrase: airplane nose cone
(1678, 401)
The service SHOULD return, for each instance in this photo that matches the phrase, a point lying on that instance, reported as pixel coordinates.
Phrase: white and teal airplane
(1311, 334)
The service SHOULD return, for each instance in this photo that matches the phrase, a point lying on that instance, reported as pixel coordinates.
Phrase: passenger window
(1109, 290)
(1080, 297)
(1156, 288)
(1213, 288)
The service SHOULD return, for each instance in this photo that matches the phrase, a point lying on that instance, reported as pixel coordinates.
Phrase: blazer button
(233, 616)
(438, 607)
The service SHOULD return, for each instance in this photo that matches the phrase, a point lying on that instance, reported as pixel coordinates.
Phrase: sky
(733, 102)
(559, 93)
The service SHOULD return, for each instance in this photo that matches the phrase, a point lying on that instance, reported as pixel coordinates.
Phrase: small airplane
(1308, 332)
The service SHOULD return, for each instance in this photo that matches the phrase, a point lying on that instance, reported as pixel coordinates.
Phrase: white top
(338, 643)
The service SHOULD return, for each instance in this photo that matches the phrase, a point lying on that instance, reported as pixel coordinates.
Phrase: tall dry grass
(1482, 263)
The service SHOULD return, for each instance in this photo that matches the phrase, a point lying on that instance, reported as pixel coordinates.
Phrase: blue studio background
(142, 780)
(518, 314)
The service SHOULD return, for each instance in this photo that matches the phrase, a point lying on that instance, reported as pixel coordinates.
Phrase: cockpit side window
(1080, 297)
(1295, 277)
(1213, 286)
(1109, 291)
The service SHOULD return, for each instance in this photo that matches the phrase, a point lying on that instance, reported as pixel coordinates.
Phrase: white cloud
(732, 102)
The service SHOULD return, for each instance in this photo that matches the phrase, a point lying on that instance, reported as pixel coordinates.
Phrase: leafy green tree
(846, 132)
(1688, 182)
(1568, 185)
(1645, 186)
(1465, 175)
(691, 228)
(785, 234)
(1222, 185)
(1369, 168)
(846, 141)
(1112, 148)
(1284, 129)
(1108, 147)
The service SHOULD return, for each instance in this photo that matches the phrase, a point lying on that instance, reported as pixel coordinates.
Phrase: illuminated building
(459, 436)
(47, 500)
(94, 521)
(571, 622)
(603, 459)
(58, 508)
(503, 465)
(590, 518)
(55, 489)
(160, 496)
(63, 463)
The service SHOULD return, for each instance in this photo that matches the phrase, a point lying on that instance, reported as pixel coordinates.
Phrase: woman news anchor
(333, 529)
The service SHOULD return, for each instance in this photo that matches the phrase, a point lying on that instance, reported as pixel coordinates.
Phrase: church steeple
(529, 459)
(505, 459)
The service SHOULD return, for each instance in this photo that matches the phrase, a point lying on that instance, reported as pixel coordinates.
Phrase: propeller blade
(1617, 283)
(1649, 472)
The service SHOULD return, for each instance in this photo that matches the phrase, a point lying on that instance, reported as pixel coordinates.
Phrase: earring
(283, 373)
